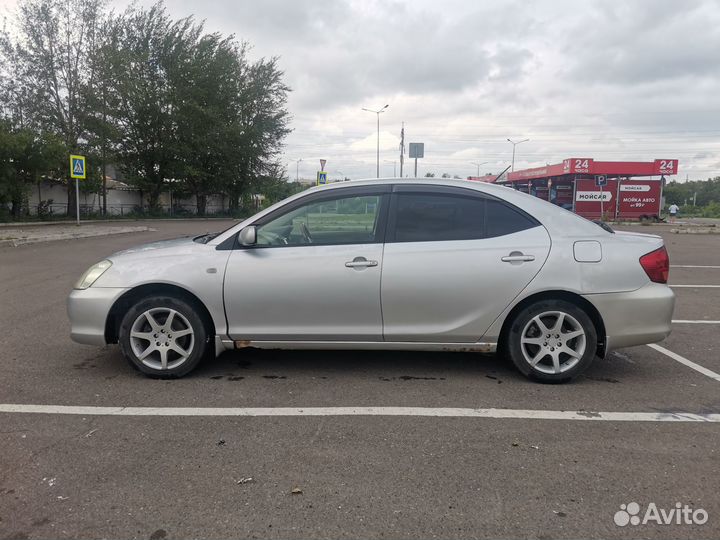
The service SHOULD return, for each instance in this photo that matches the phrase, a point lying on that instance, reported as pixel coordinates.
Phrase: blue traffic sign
(77, 167)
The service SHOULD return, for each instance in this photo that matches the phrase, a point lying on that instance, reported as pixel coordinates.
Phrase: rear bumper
(637, 317)
(88, 310)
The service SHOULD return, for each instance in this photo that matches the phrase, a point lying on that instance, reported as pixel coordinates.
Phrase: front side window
(344, 220)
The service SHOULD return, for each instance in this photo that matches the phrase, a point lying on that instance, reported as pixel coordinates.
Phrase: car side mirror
(248, 236)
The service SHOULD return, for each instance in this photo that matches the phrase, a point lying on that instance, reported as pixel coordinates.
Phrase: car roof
(557, 220)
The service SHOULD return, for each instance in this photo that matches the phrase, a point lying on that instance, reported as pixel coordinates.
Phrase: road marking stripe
(685, 361)
(695, 286)
(527, 414)
(692, 266)
(681, 321)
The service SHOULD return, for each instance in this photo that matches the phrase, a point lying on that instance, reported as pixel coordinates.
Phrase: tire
(538, 356)
(145, 344)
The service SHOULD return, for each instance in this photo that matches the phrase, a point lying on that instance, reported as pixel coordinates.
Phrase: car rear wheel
(552, 341)
(163, 337)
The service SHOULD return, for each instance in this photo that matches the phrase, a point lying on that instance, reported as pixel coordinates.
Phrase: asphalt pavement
(334, 476)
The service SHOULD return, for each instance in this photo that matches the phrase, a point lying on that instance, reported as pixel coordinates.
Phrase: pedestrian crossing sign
(321, 178)
(77, 167)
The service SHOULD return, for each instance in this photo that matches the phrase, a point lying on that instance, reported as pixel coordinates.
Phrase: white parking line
(692, 266)
(685, 361)
(682, 321)
(695, 286)
(527, 414)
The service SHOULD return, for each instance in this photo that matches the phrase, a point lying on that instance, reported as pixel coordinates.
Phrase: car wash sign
(620, 198)
(604, 196)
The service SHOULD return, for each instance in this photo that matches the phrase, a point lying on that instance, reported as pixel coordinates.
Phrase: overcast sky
(609, 80)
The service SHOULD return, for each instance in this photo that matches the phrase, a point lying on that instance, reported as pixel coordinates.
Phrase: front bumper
(88, 311)
(636, 317)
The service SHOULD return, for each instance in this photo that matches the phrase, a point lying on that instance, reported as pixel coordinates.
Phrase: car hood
(175, 244)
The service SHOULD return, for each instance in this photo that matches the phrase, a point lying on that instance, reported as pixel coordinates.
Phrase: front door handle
(360, 262)
(517, 257)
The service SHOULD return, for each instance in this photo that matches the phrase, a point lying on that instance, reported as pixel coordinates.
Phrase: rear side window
(434, 217)
(502, 219)
(430, 217)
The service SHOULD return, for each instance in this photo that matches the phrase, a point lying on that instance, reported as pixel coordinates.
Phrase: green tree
(25, 159)
(209, 136)
(169, 104)
(50, 68)
(263, 119)
(138, 104)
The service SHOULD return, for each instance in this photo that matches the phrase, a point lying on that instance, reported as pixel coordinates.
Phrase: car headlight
(91, 274)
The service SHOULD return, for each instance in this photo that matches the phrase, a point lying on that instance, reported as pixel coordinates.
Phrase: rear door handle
(360, 262)
(517, 256)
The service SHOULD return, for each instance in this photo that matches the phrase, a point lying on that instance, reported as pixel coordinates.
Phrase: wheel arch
(131, 297)
(568, 296)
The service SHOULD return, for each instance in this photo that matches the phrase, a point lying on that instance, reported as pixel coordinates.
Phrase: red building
(489, 178)
(611, 190)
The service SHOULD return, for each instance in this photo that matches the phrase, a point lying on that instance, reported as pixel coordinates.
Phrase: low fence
(129, 210)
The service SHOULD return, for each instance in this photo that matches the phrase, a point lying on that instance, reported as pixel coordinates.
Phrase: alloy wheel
(162, 338)
(553, 342)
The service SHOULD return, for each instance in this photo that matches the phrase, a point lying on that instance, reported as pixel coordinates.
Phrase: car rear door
(326, 287)
(454, 260)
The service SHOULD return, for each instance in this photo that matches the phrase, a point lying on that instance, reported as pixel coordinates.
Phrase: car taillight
(656, 265)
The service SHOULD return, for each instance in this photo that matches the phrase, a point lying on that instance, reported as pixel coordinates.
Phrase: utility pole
(297, 170)
(512, 167)
(478, 166)
(402, 148)
(378, 134)
(104, 153)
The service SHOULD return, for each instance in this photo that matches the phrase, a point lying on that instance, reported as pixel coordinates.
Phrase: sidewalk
(21, 235)
(19, 225)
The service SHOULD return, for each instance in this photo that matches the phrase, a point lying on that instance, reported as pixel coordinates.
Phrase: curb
(21, 224)
(698, 230)
(16, 242)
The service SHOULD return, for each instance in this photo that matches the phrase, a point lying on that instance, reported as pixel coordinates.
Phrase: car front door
(314, 273)
(454, 260)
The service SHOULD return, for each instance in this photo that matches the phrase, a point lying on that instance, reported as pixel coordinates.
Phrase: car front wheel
(163, 337)
(552, 341)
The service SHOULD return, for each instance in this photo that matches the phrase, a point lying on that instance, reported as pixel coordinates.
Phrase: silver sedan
(408, 264)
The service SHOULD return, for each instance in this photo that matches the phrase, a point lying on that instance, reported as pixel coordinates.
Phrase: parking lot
(367, 444)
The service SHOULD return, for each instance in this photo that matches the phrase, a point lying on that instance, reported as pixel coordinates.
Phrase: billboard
(624, 199)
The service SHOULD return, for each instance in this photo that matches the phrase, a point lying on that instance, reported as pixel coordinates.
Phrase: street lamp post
(478, 165)
(512, 166)
(297, 170)
(378, 134)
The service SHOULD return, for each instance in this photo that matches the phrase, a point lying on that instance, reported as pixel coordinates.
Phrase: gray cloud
(610, 79)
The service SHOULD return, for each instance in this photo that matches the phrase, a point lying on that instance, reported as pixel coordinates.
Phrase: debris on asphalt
(559, 514)
(245, 480)
(90, 432)
(296, 491)
(221, 442)
(515, 443)
(534, 447)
